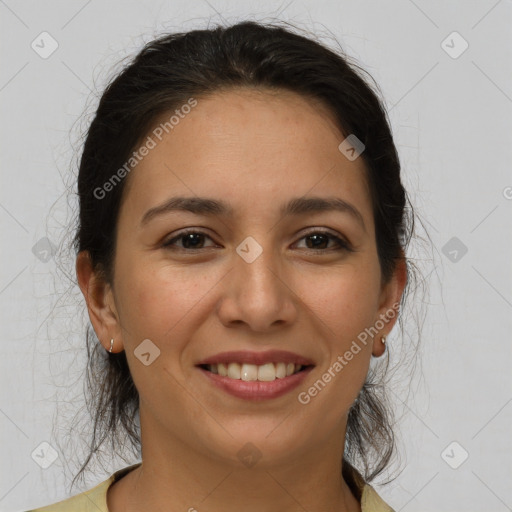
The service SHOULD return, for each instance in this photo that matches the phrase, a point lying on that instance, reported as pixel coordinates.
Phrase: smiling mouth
(251, 372)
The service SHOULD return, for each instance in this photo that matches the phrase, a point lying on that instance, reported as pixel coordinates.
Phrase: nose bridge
(258, 274)
(255, 294)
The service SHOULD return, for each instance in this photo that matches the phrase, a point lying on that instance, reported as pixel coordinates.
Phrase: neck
(179, 477)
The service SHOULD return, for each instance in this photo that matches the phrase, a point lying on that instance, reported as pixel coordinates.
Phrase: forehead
(247, 144)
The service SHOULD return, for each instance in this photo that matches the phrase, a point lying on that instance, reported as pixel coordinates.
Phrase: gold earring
(383, 339)
(111, 344)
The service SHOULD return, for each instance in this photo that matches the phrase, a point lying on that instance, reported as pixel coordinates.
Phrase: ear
(389, 304)
(100, 303)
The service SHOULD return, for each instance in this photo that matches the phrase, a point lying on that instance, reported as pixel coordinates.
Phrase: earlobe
(100, 301)
(389, 306)
(379, 346)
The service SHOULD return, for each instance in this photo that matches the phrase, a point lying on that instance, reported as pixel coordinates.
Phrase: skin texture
(256, 150)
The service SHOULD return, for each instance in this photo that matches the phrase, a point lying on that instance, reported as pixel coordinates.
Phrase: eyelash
(343, 245)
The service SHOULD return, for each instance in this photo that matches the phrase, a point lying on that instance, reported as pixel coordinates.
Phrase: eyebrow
(215, 207)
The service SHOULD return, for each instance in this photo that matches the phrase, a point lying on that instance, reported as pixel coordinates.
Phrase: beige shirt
(95, 499)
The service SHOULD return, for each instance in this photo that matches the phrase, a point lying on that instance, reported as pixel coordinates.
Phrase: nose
(257, 294)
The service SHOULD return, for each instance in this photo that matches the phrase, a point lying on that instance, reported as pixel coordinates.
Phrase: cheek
(154, 299)
(345, 304)
(344, 299)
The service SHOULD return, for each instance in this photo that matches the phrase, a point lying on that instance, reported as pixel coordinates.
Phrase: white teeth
(280, 370)
(250, 372)
(234, 371)
(267, 372)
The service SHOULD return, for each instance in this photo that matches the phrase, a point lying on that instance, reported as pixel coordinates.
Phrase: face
(267, 271)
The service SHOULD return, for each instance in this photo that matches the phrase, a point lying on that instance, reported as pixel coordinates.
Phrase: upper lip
(257, 358)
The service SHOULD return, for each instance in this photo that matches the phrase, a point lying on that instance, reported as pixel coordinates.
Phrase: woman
(241, 250)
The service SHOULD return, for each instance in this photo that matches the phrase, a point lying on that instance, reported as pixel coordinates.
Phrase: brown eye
(319, 241)
(189, 240)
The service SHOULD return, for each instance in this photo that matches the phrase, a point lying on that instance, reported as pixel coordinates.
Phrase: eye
(190, 239)
(318, 241)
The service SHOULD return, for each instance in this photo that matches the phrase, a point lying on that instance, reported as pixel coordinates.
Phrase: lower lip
(255, 389)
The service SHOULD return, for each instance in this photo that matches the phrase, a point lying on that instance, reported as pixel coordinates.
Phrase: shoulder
(364, 492)
(93, 500)
(372, 502)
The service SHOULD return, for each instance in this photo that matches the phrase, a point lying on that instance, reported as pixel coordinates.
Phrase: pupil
(318, 240)
(188, 240)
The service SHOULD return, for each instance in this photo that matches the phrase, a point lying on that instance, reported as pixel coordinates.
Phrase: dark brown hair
(162, 77)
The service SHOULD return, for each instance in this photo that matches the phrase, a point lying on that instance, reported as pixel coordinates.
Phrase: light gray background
(452, 121)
